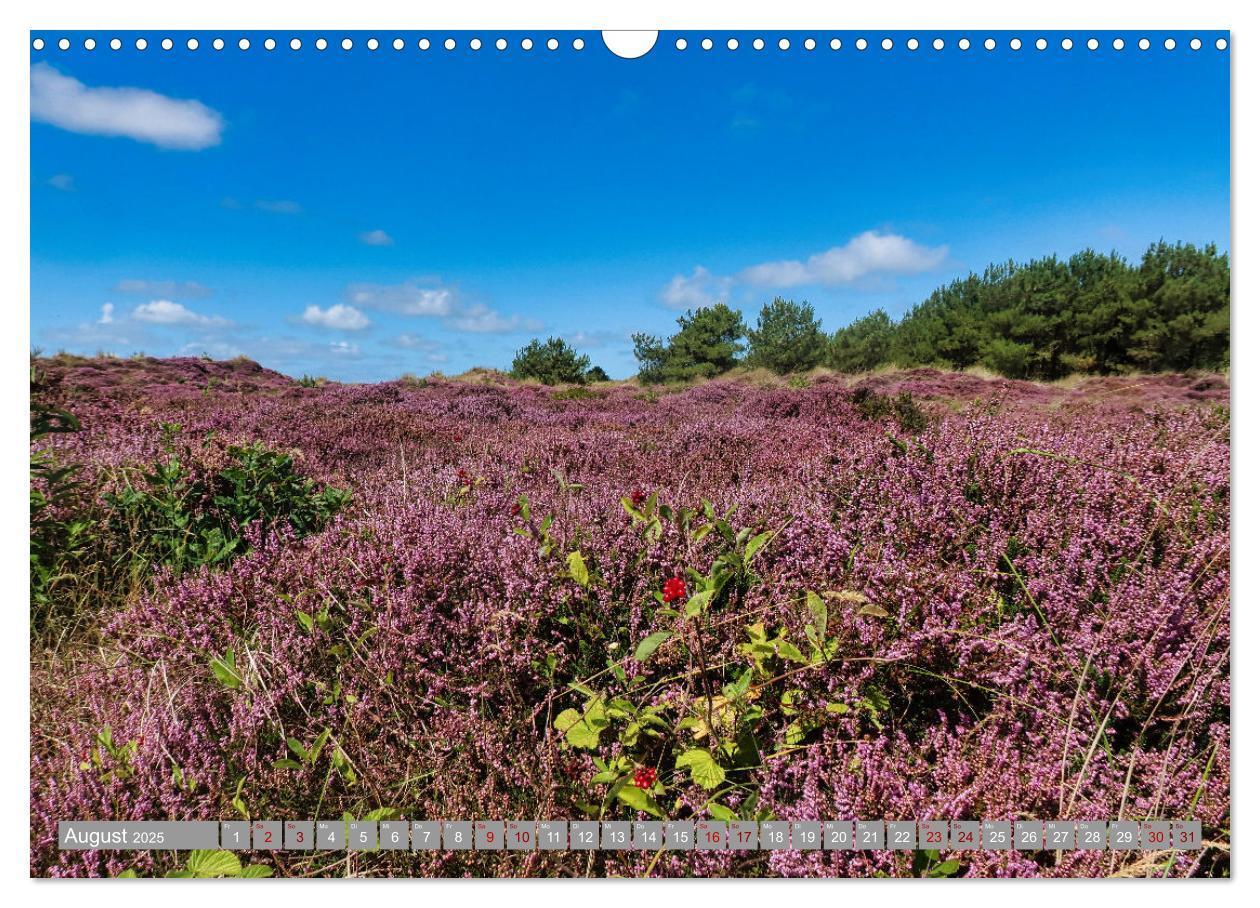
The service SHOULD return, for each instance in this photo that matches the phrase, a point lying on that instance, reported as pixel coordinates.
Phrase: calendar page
(794, 453)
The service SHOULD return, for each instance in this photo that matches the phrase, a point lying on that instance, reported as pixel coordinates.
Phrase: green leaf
(650, 644)
(698, 603)
(307, 621)
(639, 799)
(720, 812)
(255, 871)
(224, 669)
(787, 650)
(299, 751)
(286, 764)
(873, 610)
(755, 544)
(818, 609)
(205, 863)
(578, 571)
(705, 771)
(945, 868)
(579, 730)
(128, 874)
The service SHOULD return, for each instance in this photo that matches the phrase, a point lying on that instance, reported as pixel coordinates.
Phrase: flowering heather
(527, 610)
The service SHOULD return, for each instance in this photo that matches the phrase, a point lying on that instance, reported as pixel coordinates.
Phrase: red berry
(674, 589)
(644, 777)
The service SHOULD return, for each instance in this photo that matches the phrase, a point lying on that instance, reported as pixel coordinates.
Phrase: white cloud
(165, 312)
(162, 289)
(376, 238)
(278, 206)
(107, 314)
(62, 181)
(867, 254)
(410, 298)
(340, 317)
(695, 292)
(429, 299)
(479, 319)
(133, 113)
(344, 348)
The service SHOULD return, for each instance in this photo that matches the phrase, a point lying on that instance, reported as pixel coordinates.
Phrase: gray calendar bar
(626, 835)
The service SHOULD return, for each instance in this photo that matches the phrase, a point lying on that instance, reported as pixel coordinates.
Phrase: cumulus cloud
(428, 299)
(867, 254)
(107, 314)
(165, 312)
(696, 291)
(343, 348)
(339, 317)
(62, 181)
(376, 238)
(410, 298)
(133, 113)
(162, 289)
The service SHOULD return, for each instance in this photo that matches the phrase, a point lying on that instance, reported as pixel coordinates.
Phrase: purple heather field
(740, 599)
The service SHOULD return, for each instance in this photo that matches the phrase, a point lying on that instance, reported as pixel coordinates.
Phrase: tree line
(1043, 319)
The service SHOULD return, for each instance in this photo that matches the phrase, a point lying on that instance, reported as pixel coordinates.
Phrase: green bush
(552, 362)
(172, 516)
(788, 338)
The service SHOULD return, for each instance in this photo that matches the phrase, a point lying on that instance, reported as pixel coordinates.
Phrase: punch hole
(399, 44)
(706, 44)
(938, 44)
(630, 45)
(964, 43)
(475, 44)
(912, 44)
(142, 44)
(1066, 44)
(860, 44)
(886, 44)
(167, 44)
(38, 44)
(64, 44)
(784, 44)
(1195, 44)
(835, 43)
(89, 44)
(1221, 44)
(552, 44)
(810, 43)
(217, 44)
(681, 44)
(1092, 44)
(759, 44)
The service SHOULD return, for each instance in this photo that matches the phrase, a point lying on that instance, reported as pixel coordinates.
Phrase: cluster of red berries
(637, 497)
(674, 589)
(644, 777)
(462, 476)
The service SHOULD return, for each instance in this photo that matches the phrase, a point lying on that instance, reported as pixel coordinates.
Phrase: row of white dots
(939, 44)
(296, 44)
(681, 44)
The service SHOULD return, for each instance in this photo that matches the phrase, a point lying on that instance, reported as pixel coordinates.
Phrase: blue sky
(363, 214)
